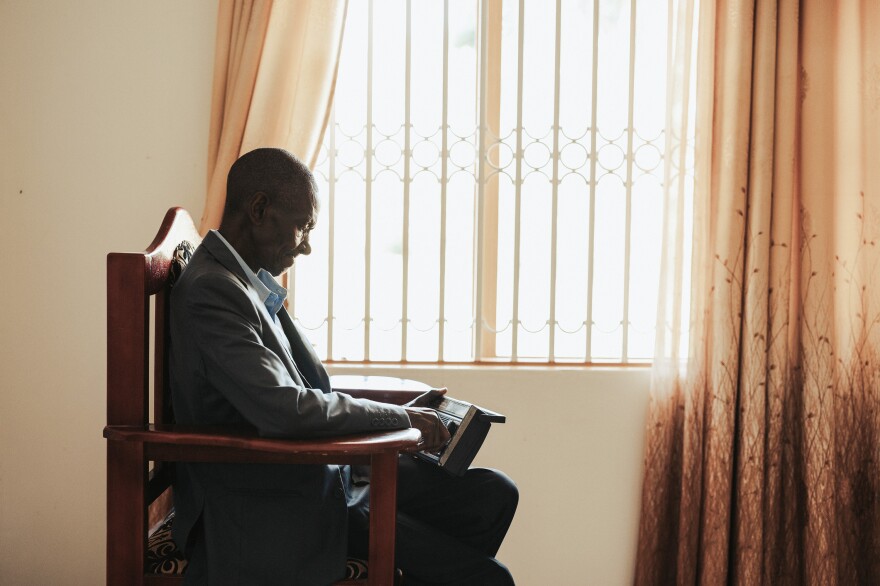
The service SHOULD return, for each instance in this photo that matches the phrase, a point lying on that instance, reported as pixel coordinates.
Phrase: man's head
(271, 206)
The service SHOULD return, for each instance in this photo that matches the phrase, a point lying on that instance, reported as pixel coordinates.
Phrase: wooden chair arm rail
(244, 440)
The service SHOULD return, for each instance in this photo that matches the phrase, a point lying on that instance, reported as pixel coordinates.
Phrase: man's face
(285, 235)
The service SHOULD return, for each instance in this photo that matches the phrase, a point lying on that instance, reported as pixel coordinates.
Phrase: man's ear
(257, 207)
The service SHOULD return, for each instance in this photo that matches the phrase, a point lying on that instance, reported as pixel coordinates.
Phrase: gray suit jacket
(262, 524)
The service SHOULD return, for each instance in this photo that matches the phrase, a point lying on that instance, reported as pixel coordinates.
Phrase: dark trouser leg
(429, 557)
(449, 528)
(476, 509)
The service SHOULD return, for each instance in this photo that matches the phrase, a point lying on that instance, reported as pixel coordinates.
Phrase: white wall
(573, 442)
(103, 126)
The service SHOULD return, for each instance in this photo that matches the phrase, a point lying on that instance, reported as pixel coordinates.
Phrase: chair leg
(126, 530)
(383, 518)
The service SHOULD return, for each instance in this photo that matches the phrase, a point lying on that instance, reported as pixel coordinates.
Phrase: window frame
(489, 57)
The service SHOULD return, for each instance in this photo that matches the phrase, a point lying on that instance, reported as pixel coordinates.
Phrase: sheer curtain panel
(274, 74)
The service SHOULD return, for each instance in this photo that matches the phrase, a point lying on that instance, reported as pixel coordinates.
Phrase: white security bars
(491, 184)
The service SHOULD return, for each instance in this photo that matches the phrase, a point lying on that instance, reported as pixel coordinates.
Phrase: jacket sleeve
(224, 323)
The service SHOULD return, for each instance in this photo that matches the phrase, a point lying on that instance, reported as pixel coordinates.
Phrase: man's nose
(305, 248)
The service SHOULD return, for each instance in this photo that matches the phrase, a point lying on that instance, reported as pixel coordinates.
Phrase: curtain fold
(763, 444)
(275, 69)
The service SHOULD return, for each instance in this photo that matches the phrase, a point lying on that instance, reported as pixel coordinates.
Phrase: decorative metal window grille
(491, 184)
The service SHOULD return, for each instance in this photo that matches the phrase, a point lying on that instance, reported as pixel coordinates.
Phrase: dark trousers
(448, 528)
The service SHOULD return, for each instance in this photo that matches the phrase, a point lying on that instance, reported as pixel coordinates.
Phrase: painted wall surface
(103, 126)
(104, 114)
(573, 443)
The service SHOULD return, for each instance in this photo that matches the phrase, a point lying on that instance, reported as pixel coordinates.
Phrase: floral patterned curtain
(762, 463)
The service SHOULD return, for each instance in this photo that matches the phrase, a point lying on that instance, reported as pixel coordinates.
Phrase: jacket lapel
(216, 248)
(303, 354)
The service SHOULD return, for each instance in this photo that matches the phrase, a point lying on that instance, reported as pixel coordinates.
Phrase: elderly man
(236, 358)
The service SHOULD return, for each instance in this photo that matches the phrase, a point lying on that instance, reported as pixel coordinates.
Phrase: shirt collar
(268, 290)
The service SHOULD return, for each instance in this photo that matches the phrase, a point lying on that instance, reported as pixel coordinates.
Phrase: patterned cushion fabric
(163, 557)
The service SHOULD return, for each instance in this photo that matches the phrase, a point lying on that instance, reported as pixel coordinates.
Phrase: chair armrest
(224, 444)
(386, 389)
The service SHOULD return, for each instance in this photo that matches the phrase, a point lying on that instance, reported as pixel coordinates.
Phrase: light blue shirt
(269, 291)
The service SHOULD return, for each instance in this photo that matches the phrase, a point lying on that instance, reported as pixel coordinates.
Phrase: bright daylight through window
(491, 184)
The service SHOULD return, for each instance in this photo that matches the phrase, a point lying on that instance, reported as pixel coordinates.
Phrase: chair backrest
(133, 280)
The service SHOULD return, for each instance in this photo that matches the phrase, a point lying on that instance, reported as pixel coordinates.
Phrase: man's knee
(499, 485)
(507, 489)
(496, 575)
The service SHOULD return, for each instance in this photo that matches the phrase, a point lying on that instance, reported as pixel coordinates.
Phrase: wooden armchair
(139, 481)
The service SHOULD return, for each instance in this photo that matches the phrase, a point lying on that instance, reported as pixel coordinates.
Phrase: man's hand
(434, 433)
(429, 399)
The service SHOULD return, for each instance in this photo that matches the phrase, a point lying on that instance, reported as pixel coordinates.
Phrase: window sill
(478, 378)
(346, 365)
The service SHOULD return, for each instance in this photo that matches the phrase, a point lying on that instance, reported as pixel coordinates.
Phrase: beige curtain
(762, 463)
(275, 70)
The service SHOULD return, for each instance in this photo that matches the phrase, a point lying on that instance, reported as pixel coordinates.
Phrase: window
(491, 184)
